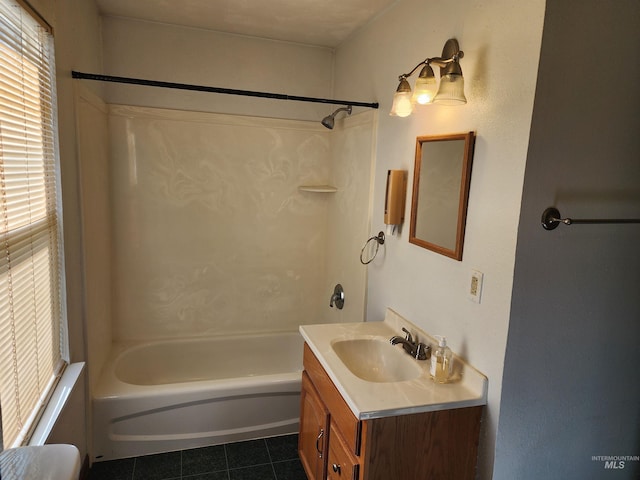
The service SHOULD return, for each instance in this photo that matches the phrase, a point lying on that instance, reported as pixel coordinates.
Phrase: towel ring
(379, 239)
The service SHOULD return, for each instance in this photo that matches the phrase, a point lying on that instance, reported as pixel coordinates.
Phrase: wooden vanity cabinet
(434, 445)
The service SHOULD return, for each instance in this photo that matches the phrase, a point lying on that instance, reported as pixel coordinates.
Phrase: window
(32, 330)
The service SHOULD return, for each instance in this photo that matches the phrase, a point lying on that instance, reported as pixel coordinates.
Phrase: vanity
(369, 411)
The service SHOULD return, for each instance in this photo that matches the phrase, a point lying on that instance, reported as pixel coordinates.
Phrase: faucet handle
(338, 297)
(408, 336)
(423, 351)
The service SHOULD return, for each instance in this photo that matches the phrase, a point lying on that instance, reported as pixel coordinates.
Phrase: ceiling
(314, 22)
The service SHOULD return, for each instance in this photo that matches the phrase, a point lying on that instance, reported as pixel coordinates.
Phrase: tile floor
(273, 458)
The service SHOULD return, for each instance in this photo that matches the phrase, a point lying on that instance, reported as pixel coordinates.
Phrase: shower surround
(211, 235)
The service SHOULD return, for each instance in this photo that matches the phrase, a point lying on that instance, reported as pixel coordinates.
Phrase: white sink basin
(376, 360)
(46, 462)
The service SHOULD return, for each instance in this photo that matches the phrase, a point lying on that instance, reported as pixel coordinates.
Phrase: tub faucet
(417, 350)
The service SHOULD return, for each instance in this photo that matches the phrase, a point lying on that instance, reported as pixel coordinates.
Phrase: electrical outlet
(475, 287)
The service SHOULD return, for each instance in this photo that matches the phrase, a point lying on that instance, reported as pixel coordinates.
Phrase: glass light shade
(426, 87)
(451, 91)
(402, 106)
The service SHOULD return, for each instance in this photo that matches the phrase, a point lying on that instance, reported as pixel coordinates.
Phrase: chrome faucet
(417, 350)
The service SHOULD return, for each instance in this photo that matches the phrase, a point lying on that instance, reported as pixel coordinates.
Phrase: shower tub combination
(172, 395)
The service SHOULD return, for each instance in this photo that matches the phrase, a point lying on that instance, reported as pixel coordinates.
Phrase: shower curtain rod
(226, 91)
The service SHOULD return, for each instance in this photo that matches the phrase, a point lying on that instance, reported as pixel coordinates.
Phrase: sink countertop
(368, 400)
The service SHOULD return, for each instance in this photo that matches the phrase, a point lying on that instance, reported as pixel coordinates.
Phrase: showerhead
(329, 120)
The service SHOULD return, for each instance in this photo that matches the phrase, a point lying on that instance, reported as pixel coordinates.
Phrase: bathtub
(163, 396)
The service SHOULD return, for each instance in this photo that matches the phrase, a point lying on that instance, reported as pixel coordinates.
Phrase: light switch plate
(475, 286)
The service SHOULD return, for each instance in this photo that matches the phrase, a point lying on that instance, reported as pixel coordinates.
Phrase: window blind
(32, 333)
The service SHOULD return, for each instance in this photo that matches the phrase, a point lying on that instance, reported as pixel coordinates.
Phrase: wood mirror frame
(441, 180)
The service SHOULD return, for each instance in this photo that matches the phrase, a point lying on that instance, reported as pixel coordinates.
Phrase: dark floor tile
(246, 454)
(112, 470)
(259, 472)
(204, 460)
(283, 448)
(289, 470)
(223, 475)
(162, 466)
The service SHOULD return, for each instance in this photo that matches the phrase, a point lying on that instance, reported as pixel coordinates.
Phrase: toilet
(45, 462)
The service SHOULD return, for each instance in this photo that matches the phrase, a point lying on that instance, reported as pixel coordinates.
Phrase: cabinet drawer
(341, 465)
(341, 415)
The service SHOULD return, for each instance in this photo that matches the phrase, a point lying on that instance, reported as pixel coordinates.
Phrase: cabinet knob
(336, 468)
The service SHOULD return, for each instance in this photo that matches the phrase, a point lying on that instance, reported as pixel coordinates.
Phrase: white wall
(501, 41)
(189, 55)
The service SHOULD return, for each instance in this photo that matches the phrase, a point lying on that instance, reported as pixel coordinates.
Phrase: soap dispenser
(441, 361)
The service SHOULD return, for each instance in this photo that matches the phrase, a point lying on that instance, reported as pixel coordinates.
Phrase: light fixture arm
(451, 53)
(443, 62)
(407, 75)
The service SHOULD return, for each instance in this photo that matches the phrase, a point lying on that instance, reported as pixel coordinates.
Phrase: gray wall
(571, 388)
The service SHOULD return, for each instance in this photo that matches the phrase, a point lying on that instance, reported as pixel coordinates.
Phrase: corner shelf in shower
(318, 188)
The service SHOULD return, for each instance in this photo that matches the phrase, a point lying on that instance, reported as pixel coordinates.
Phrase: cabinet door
(314, 430)
(350, 427)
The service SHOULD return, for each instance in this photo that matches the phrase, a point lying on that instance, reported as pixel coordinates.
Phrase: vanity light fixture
(450, 92)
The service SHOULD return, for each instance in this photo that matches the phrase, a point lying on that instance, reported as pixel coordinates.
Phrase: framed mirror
(441, 179)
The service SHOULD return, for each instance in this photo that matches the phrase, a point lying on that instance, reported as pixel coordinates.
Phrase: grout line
(133, 470)
(266, 445)
(226, 461)
(251, 466)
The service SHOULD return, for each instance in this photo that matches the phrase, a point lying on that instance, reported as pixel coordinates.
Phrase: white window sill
(57, 403)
